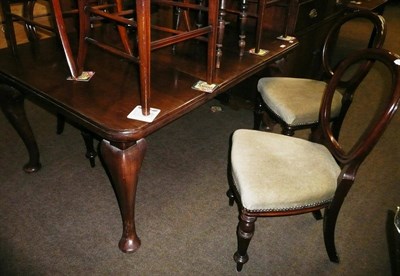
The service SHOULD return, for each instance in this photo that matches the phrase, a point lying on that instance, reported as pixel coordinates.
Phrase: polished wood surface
(40, 70)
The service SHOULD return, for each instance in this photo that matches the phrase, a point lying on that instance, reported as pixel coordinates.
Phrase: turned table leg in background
(12, 105)
(123, 162)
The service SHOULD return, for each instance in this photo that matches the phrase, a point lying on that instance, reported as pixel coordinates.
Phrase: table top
(102, 104)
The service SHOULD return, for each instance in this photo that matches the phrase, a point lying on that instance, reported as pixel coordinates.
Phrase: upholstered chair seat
(306, 172)
(296, 101)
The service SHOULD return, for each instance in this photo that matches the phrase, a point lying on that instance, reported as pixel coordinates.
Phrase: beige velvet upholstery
(296, 101)
(274, 172)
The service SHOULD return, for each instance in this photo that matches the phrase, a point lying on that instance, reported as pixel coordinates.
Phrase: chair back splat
(278, 175)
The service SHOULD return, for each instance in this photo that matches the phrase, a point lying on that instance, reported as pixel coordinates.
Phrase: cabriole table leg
(124, 162)
(12, 105)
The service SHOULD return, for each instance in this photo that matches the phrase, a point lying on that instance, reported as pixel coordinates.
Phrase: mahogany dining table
(100, 106)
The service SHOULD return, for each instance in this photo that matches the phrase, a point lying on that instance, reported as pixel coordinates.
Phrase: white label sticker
(137, 114)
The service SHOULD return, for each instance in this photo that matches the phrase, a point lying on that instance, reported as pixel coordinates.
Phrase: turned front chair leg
(245, 232)
(124, 162)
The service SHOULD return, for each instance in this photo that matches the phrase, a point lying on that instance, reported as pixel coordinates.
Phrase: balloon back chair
(278, 175)
(294, 103)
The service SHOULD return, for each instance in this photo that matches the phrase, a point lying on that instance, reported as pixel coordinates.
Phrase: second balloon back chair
(294, 103)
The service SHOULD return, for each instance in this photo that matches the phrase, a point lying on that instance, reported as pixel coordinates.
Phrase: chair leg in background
(317, 214)
(231, 197)
(60, 124)
(90, 151)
